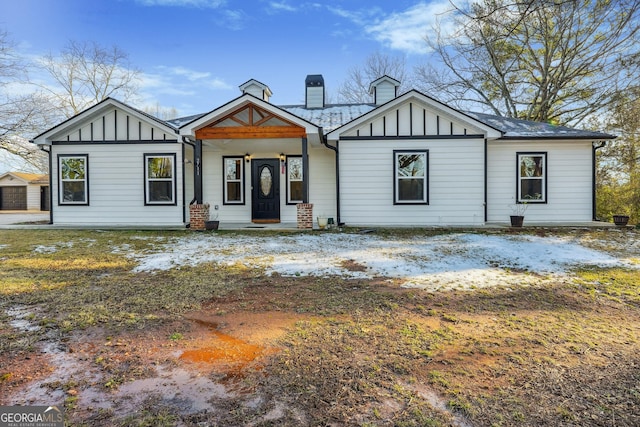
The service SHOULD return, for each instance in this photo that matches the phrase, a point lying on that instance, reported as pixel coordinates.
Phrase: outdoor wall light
(247, 157)
(282, 157)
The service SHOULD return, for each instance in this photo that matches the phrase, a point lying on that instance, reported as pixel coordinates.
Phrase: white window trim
(61, 200)
(226, 200)
(542, 178)
(397, 178)
(148, 180)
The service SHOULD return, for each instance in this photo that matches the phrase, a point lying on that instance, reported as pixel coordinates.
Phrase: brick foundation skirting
(305, 215)
(198, 215)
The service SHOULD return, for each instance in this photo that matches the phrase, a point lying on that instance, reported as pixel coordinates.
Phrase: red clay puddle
(231, 343)
(226, 349)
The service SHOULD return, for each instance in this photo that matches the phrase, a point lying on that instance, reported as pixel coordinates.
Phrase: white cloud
(191, 75)
(233, 19)
(282, 6)
(173, 86)
(228, 18)
(406, 30)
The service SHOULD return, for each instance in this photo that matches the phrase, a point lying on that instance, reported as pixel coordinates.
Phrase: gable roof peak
(384, 78)
(257, 89)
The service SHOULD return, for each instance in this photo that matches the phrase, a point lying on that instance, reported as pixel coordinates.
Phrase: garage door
(13, 198)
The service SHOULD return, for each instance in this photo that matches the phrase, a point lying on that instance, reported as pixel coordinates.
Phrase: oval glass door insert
(266, 181)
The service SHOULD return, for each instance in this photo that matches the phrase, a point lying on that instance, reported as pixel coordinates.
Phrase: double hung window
(294, 179)
(233, 180)
(411, 177)
(532, 178)
(160, 179)
(73, 179)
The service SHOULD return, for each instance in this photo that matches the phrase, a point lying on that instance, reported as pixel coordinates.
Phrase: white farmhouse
(403, 160)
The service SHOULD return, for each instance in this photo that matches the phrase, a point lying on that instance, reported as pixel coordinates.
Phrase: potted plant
(621, 220)
(517, 218)
(322, 222)
(212, 224)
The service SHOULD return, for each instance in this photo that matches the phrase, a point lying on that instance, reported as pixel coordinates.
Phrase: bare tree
(544, 60)
(83, 74)
(163, 113)
(20, 113)
(355, 89)
(87, 73)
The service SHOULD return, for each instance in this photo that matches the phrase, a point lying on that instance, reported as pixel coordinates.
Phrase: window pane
(411, 189)
(295, 168)
(411, 165)
(233, 192)
(531, 189)
(266, 181)
(160, 191)
(531, 166)
(159, 167)
(73, 191)
(233, 168)
(72, 168)
(295, 191)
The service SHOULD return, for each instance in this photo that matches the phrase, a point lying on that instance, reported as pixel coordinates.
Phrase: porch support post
(197, 172)
(305, 171)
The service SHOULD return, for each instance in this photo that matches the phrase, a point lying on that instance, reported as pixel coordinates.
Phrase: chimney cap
(314, 80)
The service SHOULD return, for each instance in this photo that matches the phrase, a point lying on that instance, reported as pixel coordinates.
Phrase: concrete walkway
(40, 219)
(22, 217)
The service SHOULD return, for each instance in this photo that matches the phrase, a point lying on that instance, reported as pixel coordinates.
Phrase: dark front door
(265, 190)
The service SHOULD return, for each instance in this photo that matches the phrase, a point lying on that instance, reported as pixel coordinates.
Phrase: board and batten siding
(569, 181)
(116, 186)
(116, 125)
(322, 184)
(455, 183)
(412, 119)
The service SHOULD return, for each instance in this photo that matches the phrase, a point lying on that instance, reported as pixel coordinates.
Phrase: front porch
(255, 163)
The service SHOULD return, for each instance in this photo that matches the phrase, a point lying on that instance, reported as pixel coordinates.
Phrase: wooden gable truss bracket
(250, 122)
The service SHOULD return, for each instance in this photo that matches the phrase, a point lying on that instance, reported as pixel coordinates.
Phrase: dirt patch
(228, 344)
(233, 345)
(352, 265)
(187, 365)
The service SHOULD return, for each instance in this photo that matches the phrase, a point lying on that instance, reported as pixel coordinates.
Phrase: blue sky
(195, 53)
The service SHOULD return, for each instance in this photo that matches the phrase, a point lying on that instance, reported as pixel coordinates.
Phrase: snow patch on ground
(44, 249)
(448, 261)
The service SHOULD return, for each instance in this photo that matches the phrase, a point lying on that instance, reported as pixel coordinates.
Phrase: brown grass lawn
(228, 345)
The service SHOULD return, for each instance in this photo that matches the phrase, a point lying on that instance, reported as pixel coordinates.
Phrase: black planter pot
(211, 225)
(517, 220)
(620, 220)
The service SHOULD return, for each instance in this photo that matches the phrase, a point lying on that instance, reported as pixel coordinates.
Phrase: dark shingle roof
(517, 128)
